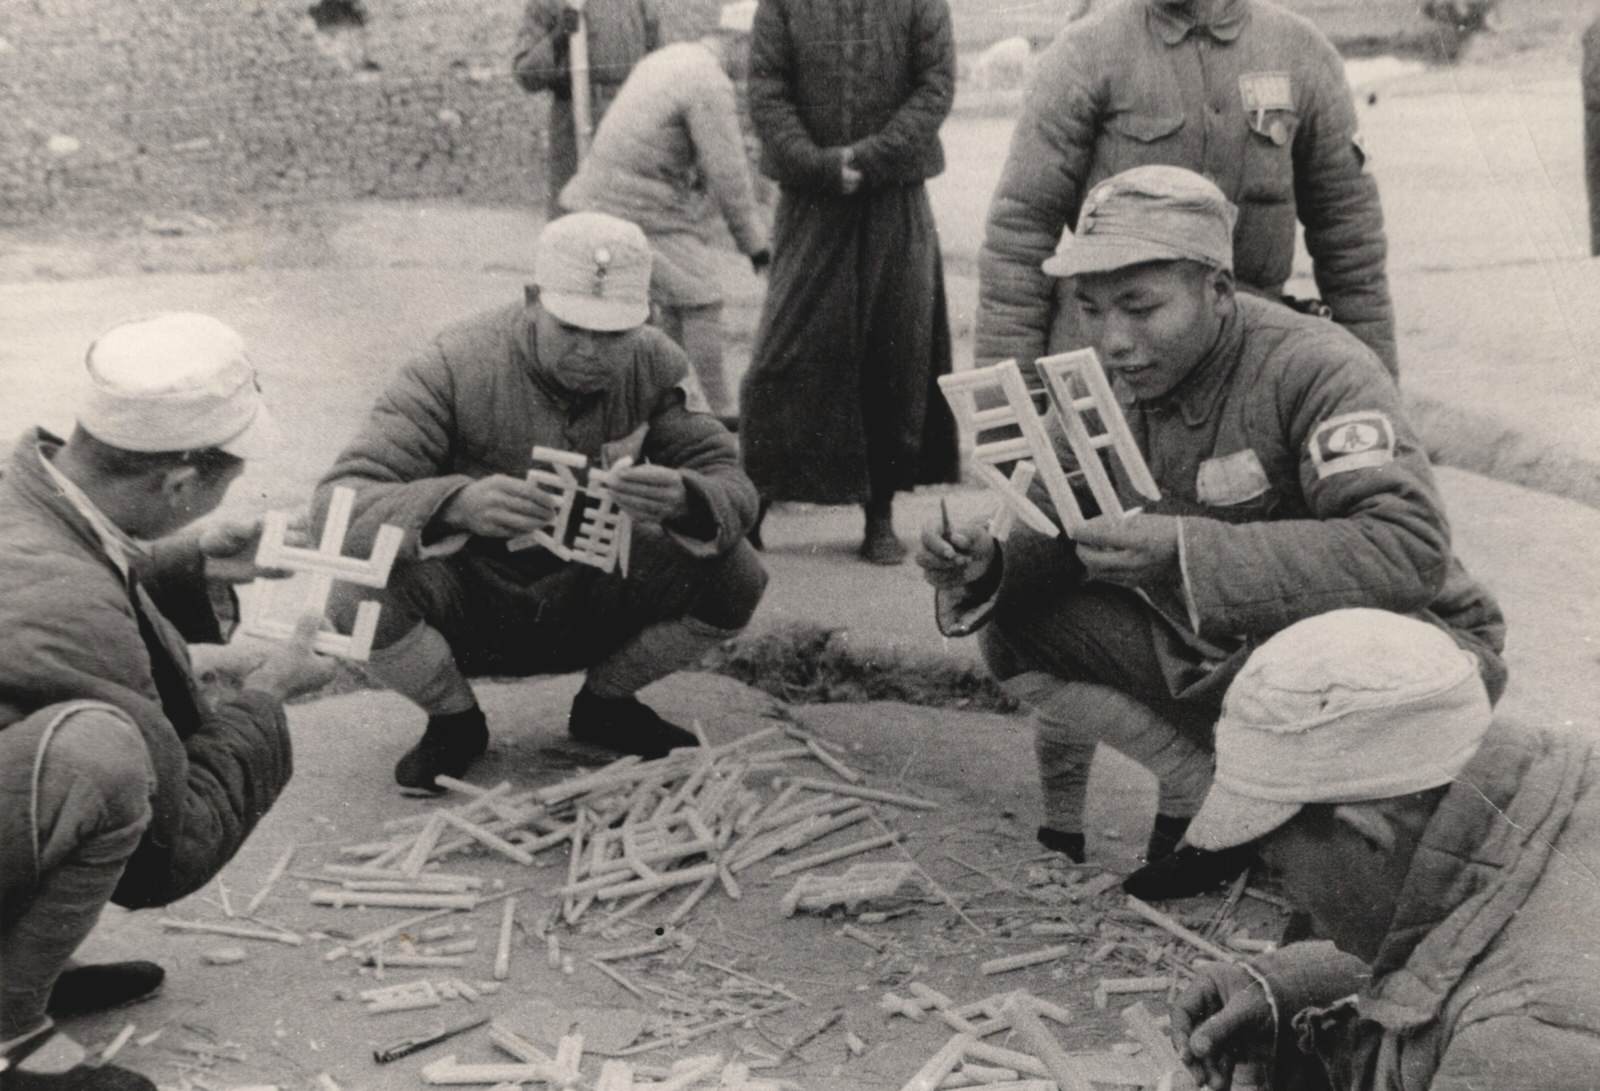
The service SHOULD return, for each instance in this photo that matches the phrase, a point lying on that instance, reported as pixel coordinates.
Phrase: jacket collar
(37, 483)
(1196, 397)
(1221, 19)
(1479, 859)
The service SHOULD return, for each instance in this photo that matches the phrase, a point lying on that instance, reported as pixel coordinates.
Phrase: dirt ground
(1479, 168)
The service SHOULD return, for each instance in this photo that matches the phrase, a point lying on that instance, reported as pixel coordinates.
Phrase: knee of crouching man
(730, 597)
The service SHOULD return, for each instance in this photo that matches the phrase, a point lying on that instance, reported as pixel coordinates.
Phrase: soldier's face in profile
(580, 360)
(1153, 323)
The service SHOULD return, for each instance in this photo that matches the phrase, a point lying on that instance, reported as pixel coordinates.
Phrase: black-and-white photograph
(800, 545)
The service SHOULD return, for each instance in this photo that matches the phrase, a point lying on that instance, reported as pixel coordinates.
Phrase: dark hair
(117, 463)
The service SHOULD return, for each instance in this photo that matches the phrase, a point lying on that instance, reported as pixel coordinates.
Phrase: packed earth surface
(1479, 165)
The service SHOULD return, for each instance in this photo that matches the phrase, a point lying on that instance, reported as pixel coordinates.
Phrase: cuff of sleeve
(434, 539)
(698, 531)
(962, 612)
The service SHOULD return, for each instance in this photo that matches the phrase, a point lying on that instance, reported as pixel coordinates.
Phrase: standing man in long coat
(840, 404)
(620, 32)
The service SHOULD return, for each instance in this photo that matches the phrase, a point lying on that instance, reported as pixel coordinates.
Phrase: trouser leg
(698, 330)
(1093, 663)
(75, 789)
(411, 655)
(729, 588)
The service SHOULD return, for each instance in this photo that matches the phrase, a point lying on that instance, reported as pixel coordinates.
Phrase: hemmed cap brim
(259, 438)
(594, 313)
(1108, 253)
(1228, 819)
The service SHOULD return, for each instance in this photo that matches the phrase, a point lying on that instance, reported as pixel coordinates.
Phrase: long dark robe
(841, 400)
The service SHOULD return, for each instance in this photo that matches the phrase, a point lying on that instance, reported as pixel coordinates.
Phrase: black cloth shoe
(1069, 845)
(83, 1077)
(449, 745)
(84, 989)
(1187, 872)
(625, 725)
(880, 544)
(1164, 837)
(754, 536)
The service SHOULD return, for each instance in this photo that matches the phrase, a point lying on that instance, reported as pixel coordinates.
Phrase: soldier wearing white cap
(445, 454)
(1450, 861)
(670, 157)
(118, 780)
(1291, 484)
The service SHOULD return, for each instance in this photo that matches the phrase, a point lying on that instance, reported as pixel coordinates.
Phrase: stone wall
(118, 106)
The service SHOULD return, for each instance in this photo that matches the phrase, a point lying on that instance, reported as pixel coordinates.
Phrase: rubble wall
(110, 106)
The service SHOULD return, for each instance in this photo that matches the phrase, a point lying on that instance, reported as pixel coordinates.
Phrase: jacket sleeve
(1339, 206)
(713, 119)
(212, 786)
(1377, 536)
(1518, 1053)
(398, 462)
(1038, 196)
(540, 62)
(792, 156)
(722, 499)
(174, 578)
(892, 151)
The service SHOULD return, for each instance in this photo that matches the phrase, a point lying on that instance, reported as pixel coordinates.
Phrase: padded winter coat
(1255, 99)
(1489, 976)
(473, 405)
(68, 631)
(877, 76)
(669, 155)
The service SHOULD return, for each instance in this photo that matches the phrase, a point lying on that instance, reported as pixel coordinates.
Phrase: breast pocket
(1234, 487)
(1137, 139)
(1269, 156)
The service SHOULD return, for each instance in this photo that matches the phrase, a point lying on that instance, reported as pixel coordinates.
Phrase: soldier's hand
(651, 494)
(293, 668)
(1131, 550)
(229, 550)
(500, 506)
(957, 559)
(1223, 1017)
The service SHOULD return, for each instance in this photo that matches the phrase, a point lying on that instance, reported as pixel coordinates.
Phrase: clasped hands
(502, 506)
(1134, 550)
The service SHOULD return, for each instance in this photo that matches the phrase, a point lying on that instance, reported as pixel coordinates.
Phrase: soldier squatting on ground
(119, 781)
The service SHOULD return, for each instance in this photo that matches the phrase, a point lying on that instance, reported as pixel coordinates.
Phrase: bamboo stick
(273, 875)
(490, 840)
(1026, 1022)
(238, 931)
(805, 863)
(862, 792)
(350, 899)
(1172, 927)
(1027, 958)
(502, 954)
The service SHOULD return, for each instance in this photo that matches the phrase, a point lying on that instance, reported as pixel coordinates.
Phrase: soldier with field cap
(120, 781)
(1245, 92)
(1291, 484)
(1450, 860)
(445, 455)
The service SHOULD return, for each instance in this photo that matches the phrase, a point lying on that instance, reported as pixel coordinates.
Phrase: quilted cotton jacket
(1489, 976)
(669, 154)
(877, 76)
(473, 405)
(68, 631)
(1301, 488)
(1253, 97)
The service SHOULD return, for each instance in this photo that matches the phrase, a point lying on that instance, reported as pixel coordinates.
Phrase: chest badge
(1262, 93)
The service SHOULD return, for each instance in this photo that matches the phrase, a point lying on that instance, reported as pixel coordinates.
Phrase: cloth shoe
(1069, 845)
(1164, 837)
(84, 989)
(880, 544)
(1187, 872)
(449, 745)
(625, 725)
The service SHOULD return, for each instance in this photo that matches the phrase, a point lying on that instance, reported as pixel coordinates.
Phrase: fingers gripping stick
(268, 612)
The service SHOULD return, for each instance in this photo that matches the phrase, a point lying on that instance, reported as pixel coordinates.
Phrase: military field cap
(1345, 707)
(738, 17)
(593, 271)
(1147, 214)
(176, 381)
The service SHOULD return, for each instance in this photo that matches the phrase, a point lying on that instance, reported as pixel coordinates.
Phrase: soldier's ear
(1222, 291)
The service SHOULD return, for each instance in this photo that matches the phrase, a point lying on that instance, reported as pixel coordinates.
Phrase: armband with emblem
(1352, 441)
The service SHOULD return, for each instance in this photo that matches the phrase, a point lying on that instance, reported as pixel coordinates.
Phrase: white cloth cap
(1349, 706)
(176, 381)
(739, 18)
(593, 271)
